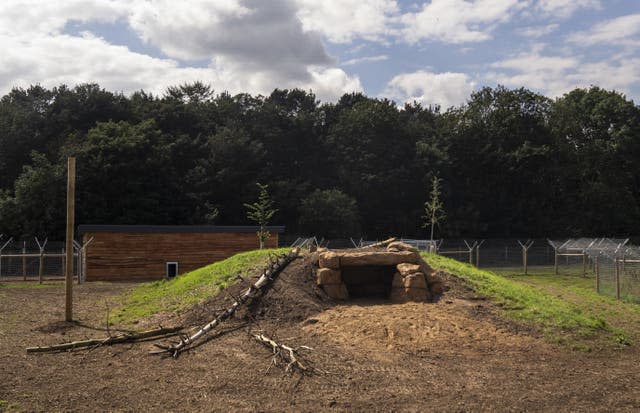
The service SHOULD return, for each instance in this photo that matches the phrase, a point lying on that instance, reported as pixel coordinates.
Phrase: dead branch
(268, 275)
(380, 244)
(288, 354)
(120, 338)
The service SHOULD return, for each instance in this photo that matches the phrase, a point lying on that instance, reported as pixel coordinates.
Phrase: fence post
(41, 264)
(617, 275)
(24, 261)
(584, 264)
(62, 262)
(555, 263)
(597, 268)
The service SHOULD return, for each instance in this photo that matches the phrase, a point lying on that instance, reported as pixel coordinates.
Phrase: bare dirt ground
(456, 355)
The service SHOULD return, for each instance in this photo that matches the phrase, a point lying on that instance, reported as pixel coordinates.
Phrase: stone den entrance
(368, 281)
(396, 272)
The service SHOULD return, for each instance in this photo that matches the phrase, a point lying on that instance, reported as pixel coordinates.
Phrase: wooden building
(152, 252)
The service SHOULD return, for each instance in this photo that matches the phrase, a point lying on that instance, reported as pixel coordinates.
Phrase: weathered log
(267, 276)
(284, 352)
(120, 338)
(380, 244)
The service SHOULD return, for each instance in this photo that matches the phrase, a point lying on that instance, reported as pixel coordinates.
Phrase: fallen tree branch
(288, 354)
(119, 338)
(268, 275)
(380, 244)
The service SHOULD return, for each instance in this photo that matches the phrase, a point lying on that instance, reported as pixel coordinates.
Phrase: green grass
(30, 285)
(560, 320)
(188, 289)
(623, 317)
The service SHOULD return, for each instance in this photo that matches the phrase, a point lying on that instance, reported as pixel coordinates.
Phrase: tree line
(510, 162)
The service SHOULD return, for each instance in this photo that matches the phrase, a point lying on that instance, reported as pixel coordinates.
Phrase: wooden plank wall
(118, 256)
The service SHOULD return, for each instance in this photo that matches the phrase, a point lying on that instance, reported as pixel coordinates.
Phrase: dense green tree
(329, 213)
(512, 162)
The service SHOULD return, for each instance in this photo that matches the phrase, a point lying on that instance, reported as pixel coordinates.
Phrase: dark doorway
(172, 269)
(368, 281)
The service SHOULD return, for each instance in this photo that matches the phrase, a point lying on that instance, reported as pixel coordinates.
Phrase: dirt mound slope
(292, 297)
(455, 354)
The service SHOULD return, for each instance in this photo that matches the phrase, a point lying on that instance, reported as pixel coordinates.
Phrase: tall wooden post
(40, 266)
(596, 265)
(616, 264)
(478, 256)
(68, 271)
(555, 264)
(24, 260)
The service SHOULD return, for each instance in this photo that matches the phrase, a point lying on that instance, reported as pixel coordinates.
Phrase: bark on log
(267, 277)
(120, 338)
(380, 244)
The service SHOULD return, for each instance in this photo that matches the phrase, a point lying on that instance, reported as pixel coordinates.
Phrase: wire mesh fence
(29, 260)
(614, 265)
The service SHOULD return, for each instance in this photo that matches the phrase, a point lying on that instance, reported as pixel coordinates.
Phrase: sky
(436, 52)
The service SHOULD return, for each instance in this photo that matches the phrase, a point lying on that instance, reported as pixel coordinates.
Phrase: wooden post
(24, 261)
(596, 265)
(525, 253)
(584, 264)
(555, 264)
(478, 256)
(68, 271)
(617, 275)
(40, 266)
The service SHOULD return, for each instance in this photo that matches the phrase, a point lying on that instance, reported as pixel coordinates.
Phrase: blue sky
(435, 51)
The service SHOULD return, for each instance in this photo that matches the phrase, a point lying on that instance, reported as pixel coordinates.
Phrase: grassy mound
(560, 320)
(191, 288)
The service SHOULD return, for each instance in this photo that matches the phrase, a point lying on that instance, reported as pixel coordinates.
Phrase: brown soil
(453, 355)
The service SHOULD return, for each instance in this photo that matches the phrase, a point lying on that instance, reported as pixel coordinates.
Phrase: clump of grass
(561, 321)
(188, 289)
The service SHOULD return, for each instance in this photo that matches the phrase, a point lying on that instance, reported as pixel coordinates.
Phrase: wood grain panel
(120, 256)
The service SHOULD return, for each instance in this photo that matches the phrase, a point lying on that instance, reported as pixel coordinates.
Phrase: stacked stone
(413, 281)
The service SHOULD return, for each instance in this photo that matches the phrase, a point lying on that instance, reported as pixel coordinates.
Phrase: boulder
(336, 291)
(402, 295)
(399, 245)
(326, 276)
(373, 258)
(406, 268)
(329, 259)
(398, 295)
(415, 280)
(417, 294)
(398, 281)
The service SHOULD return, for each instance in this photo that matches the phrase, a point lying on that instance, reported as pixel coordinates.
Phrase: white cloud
(28, 17)
(252, 46)
(565, 8)
(444, 89)
(457, 21)
(341, 21)
(254, 33)
(623, 30)
(358, 60)
(556, 75)
(537, 31)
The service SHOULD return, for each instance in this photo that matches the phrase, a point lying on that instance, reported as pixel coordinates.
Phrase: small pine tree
(433, 208)
(261, 213)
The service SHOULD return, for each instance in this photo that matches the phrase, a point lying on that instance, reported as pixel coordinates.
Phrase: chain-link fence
(32, 260)
(614, 264)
